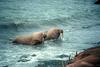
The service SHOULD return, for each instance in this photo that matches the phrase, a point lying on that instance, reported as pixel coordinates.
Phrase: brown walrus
(35, 38)
(54, 33)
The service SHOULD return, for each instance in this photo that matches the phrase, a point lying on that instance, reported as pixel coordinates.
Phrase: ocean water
(80, 20)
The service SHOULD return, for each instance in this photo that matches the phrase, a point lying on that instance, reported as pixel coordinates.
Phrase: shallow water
(80, 20)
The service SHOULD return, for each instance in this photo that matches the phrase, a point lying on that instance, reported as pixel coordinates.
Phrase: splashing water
(80, 20)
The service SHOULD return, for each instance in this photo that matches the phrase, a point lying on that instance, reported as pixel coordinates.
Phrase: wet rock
(5, 66)
(80, 56)
(87, 58)
(24, 58)
(52, 63)
(62, 56)
(33, 55)
(89, 61)
(97, 2)
(80, 64)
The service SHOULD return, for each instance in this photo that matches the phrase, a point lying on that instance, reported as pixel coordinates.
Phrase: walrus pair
(39, 37)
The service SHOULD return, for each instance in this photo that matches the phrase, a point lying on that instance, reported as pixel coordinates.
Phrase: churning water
(80, 20)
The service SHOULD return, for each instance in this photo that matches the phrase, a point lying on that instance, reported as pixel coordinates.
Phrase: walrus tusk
(61, 35)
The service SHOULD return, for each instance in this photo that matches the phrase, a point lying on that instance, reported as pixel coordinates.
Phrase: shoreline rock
(87, 58)
(97, 2)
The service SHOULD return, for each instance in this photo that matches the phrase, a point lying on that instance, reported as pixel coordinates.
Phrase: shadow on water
(50, 63)
(53, 43)
(39, 46)
(18, 26)
(11, 26)
(89, 26)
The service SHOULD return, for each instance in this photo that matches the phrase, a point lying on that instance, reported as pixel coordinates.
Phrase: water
(80, 20)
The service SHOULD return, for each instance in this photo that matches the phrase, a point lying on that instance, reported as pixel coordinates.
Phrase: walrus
(33, 39)
(53, 33)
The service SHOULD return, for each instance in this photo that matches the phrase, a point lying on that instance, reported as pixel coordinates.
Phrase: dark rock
(33, 55)
(52, 63)
(88, 58)
(97, 2)
(89, 61)
(62, 56)
(5, 66)
(24, 58)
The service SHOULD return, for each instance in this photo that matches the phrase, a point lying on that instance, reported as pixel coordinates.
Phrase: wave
(90, 26)
(18, 25)
(32, 24)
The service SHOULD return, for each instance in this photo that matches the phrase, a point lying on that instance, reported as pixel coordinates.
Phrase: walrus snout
(54, 33)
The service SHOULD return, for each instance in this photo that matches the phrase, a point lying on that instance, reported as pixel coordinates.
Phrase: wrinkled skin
(35, 38)
(54, 33)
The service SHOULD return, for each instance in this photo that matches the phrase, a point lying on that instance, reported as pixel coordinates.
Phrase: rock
(92, 59)
(80, 64)
(62, 56)
(5, 66)
(24, 58)
(33, 55)
(87, 58)
(80, 56)
(97, 2)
